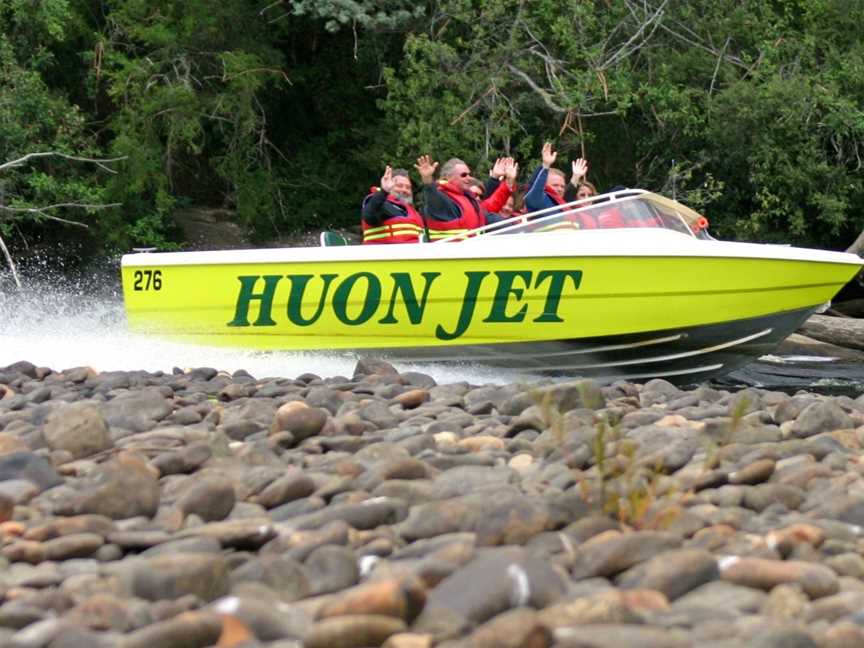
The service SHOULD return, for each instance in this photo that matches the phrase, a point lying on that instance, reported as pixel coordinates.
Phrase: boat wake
(74, 325)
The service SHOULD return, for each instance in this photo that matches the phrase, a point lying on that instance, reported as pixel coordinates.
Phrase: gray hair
(400, 172)
(449, 165)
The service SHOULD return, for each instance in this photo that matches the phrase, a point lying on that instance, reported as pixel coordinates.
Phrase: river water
(65, 324)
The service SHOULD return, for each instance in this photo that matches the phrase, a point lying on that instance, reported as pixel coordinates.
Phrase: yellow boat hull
(450, 309)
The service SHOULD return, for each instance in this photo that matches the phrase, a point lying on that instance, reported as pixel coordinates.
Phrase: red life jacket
(569, 219)
(472, 215)
(497, 199)
(613, 217)
(396, 229)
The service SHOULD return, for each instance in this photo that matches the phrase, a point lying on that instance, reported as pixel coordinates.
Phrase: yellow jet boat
(625, 285)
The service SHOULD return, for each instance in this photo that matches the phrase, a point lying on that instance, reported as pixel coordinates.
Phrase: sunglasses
(464, 174)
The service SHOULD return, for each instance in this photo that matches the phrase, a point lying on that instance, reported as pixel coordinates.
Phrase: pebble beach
(198, 508)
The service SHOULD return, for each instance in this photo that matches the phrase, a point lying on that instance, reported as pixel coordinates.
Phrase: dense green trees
(286, 110)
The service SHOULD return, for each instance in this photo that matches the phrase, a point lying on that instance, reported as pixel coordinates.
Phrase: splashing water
(61, 323)
(78, 323)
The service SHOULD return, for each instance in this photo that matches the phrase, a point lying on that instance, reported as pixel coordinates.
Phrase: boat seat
(329, 239)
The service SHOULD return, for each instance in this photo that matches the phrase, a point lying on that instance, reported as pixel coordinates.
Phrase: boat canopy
(630, 208)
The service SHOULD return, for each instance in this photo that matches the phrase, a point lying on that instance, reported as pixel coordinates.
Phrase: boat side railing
(537, 218)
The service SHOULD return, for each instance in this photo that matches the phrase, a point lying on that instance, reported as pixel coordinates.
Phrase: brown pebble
(787, 538)
(408, 640)
(76, 545)
(9, 443)
(24, 551)
(761, 573)
(517, 628)
(480, 443)
(754, 473)
(12, 529)
(412, 398)
(399, 598)
(356, 631)
(187, 630)
(7, 508)
(645, 599)
(843, 635)
(235, 633)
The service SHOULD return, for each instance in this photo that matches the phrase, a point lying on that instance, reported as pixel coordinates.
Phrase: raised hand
(580, 170)
(387, 179)
(511, 171)
(499, 168)
(548, 155)
(426, 168)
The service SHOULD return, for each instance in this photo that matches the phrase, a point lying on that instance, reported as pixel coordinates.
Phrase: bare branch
(459, 117)
(11, 263)
(545, 96)
(696, 41)
(100, 162)
(268, 7)
(631, 45)
(43, 211)
(717, 67)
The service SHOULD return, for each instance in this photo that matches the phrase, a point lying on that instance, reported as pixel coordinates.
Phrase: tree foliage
(285, 111)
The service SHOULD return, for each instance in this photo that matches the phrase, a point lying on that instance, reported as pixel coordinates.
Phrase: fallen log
(848, 308)
(801, 345)
(842, 331)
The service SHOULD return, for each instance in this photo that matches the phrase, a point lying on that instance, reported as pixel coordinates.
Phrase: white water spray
(76, 325)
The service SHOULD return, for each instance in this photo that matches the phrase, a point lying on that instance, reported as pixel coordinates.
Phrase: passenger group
(458, 202)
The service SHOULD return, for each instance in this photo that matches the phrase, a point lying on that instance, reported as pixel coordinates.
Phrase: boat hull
(574, 306)
(682, 356)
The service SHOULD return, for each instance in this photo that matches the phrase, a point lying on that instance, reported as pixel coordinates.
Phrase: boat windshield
(631, 208)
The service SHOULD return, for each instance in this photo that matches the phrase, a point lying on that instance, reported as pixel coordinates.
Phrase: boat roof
(514, 238)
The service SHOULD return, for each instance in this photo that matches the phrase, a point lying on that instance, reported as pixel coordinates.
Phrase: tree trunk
(842, 331)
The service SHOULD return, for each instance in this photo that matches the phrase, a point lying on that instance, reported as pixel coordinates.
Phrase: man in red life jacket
(451, 208)
(388, 214)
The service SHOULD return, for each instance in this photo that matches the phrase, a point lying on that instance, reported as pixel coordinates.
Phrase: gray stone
(620, 636)
(492, 583)
(719, 594)
(284, 576)
(29, 466)
(673, 572)
(246, 417)
(373, 367)
(117, 489)
(78, 429)
(294, 485)
(822, 416)
(210, 498)
(611, 556)
(331, 568)
(171, 576)
(137, 410)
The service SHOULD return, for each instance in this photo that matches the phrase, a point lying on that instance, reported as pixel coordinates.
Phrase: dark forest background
(286, 111)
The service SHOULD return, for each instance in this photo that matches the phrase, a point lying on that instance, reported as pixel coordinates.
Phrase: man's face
(556, 182)
(461, 177)
(402, 188)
